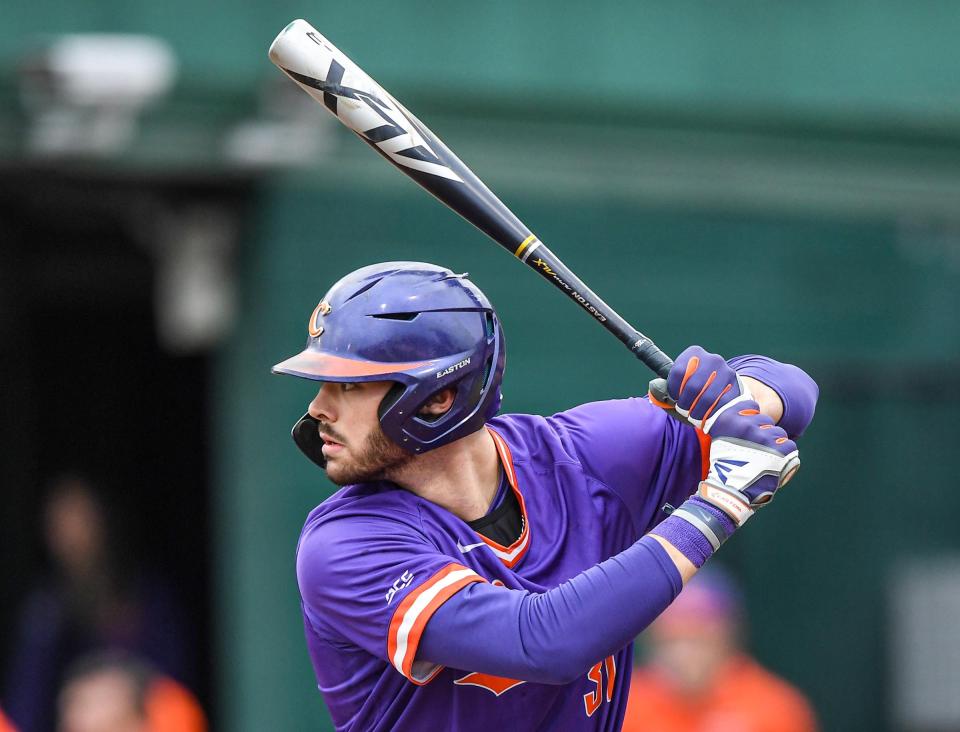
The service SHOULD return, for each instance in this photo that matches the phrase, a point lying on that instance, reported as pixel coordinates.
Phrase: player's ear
(438, 404)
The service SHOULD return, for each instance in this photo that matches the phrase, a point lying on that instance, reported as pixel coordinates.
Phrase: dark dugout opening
(87, 386)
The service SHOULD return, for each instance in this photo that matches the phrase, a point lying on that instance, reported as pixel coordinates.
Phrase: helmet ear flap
(394, 395)
(306, 434)
(390, 398)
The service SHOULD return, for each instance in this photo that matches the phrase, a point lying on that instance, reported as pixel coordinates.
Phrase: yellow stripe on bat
(523, 245)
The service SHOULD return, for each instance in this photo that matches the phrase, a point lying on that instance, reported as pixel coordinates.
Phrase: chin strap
(306, 434)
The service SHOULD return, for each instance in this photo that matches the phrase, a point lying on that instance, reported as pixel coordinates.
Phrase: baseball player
(484, 572)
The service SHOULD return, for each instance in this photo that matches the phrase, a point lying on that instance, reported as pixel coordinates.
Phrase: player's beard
(376, 460)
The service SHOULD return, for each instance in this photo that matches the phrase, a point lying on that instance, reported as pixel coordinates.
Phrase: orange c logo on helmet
(313, 328)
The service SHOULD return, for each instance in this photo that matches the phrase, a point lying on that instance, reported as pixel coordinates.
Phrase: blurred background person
(699, 678)
(95, 597)
(119, 693)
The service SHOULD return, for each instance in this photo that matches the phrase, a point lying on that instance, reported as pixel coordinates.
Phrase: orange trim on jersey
(323, 365)
(412, 614)
(512, 554)
(497, 685)
(704, 440)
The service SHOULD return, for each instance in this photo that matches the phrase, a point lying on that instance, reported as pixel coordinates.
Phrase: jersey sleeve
(554, 636)
(374, 582)
(797, 391)
(637, 451)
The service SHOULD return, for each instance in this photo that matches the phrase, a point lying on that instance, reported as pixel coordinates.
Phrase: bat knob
(659, 396)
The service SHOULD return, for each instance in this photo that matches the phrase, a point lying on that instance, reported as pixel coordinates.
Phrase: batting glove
(750, 459)
(699, 385)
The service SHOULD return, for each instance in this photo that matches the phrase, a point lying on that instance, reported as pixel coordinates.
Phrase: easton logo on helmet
(455, 367)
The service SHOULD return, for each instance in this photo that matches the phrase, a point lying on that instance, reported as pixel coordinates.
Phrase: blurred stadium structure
(156, 257)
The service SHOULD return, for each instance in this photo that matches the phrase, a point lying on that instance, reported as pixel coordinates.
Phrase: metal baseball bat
(332, 79)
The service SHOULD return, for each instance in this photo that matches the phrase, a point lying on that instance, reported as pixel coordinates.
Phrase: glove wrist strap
(729, 501)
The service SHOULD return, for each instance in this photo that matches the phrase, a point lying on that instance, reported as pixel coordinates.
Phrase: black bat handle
(648, 352)
(548, 265)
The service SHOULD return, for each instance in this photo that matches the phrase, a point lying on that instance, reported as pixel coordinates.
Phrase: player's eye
(347, 386)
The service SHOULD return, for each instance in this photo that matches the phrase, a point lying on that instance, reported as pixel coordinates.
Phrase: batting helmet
(417, 324)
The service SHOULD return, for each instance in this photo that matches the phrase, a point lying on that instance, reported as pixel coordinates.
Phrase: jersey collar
(512, 554)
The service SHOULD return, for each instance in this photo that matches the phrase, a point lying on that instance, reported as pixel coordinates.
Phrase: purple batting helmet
(419, 325)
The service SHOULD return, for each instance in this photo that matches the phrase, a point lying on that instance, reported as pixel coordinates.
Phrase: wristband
(696, 529)
(707, 520)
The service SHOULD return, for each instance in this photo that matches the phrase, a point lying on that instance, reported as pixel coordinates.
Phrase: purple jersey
(375, 562)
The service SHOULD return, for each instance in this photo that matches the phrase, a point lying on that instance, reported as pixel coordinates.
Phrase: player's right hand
(750, 459)
(700, 385)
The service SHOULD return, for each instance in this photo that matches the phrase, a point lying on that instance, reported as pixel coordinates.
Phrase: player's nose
(322, 407)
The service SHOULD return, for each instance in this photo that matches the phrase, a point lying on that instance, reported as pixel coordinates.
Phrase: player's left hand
(750, 459)
(701, 385)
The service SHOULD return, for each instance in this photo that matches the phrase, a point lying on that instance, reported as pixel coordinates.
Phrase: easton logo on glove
(750, 458)
(723, 467)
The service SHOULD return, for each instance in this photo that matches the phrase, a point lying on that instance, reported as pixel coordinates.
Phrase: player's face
(355, 447)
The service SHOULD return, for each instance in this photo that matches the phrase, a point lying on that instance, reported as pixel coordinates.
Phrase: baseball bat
(332, 79)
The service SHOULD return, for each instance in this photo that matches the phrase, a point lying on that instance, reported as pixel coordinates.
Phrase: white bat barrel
(301, 49)
(331, 78)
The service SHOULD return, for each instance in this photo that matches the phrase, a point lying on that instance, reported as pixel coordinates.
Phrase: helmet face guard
(416, 324)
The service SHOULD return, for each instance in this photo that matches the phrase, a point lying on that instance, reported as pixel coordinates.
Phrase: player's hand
(700, 385)
(750, 459)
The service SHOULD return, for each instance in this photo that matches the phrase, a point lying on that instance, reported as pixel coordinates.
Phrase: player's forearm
(554, 636)
(684, 566)
(793, 387)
